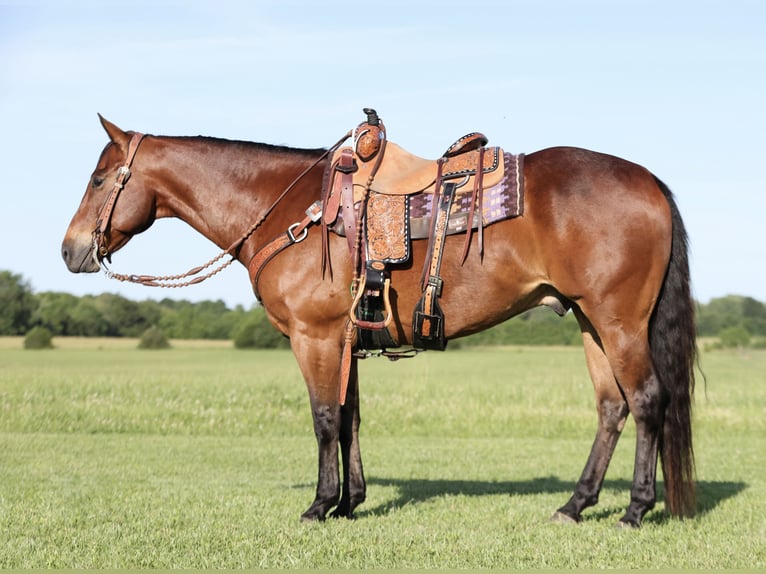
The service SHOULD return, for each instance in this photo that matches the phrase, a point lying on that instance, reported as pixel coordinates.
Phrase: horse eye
(98, 181)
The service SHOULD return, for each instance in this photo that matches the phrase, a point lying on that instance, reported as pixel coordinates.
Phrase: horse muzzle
(80, 256)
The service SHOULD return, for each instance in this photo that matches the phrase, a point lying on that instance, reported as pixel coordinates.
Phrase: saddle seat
(402, 173)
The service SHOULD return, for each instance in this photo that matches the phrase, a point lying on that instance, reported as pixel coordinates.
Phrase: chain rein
(175, 281)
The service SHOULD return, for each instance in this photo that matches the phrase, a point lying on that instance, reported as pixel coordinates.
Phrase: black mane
(255, 146)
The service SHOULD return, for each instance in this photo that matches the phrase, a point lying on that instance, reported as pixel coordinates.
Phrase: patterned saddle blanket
(393, 220)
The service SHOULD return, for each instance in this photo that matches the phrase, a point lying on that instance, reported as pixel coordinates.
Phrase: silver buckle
(301, 237)
(315, 211)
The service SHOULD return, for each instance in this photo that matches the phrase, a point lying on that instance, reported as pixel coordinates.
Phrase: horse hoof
(561, 518)
(309, 516)
(343, 511)
(623, 525)
(347, 515)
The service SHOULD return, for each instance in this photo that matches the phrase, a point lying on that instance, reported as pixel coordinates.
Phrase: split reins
(192, 276)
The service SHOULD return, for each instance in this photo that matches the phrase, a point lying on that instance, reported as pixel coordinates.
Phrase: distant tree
(256, 332)
(727, 318)
(153, 338)
(720, 313)
(85, 319)
(753, 309)
(38, 338)
(736, 336)
(754, 316)
(54, 311)
(122, 316)
(731, 311)
(539, 326)
(17, 303)
(149, 311)
(203, 320)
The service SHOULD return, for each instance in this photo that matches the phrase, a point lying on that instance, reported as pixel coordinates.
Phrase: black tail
(674, 350)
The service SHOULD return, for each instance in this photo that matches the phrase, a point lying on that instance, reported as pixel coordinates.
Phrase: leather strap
(332, 199)
(330, 203)
(476, 198)
(349, 336)
(294, 234)
(233, 249)
(435, 202)
(105, 214)
(433, 288)
(345, 168)
(433, 282)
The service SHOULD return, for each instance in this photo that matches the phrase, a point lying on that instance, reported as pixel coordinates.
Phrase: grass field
(203, 456)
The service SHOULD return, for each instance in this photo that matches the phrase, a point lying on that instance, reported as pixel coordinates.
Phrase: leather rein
(192, 276)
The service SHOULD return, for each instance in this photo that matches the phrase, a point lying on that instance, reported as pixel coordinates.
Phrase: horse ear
(115, 134)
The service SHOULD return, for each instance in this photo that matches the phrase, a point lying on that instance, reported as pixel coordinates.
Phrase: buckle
(437, 283)
(123, 172)
(300, 237)
(314, 211)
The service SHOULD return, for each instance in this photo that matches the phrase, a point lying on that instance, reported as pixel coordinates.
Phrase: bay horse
(599, 235)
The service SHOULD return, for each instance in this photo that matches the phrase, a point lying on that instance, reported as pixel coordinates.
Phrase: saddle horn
(372, 116)
(369, 136)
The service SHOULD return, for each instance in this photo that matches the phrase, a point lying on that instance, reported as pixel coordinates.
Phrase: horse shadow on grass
(414, 491)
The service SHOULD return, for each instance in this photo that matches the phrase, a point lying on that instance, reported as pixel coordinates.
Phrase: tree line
(736, 321)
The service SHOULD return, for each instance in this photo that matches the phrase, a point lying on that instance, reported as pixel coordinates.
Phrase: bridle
(100, 249)
(191, 277)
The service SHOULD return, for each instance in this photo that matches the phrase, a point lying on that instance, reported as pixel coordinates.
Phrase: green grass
(204, 457)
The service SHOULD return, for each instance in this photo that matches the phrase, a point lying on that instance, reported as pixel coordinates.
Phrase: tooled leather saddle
(381, 197)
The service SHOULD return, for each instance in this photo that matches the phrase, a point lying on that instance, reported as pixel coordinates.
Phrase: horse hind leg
(626, 346)
(612, 413)
(647, 402)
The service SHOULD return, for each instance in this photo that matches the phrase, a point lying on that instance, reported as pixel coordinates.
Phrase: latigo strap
(428, 319)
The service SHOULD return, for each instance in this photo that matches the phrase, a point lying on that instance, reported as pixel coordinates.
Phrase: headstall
(191, 277)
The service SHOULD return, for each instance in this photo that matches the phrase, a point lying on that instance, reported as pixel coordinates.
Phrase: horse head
(103, 224)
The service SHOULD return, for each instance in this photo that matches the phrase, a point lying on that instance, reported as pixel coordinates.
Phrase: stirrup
(362, 324)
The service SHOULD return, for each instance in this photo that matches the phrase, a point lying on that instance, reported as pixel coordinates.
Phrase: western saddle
(367, 199)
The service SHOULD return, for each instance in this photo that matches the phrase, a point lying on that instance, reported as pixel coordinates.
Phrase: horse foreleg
(319, 361)
(612, 413)
(354, 488)
(326, 428)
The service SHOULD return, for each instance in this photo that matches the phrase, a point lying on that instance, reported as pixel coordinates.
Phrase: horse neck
(222, 188)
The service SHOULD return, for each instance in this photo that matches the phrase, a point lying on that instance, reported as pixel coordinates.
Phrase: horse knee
(612, 414)
(326, 422)
(647, 402)
(639, 386)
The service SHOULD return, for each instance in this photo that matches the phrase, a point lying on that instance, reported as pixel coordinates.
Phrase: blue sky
(679, 87)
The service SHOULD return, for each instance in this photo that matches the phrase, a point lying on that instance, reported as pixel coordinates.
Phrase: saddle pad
(501, 201)
(387, 228)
